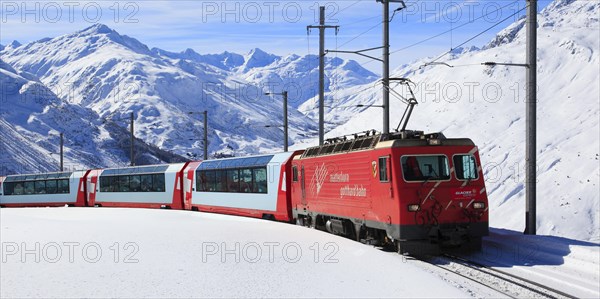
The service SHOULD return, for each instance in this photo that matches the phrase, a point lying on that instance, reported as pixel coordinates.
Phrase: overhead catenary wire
(360, 21)
(352, 4)
(466, 41)
(341, 10)
(362, 33)
(454, 28)
(375, 84)
(478, 34)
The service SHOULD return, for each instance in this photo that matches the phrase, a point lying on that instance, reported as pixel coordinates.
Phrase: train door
(303, 186)
(188, 184)
(187, 190)
(91, 182)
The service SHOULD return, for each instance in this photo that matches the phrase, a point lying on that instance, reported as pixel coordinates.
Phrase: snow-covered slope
(32, 118)
(487, 105)
(113, 74)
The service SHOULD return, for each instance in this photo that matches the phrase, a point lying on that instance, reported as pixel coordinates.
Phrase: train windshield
(425, 168)
(466, 167)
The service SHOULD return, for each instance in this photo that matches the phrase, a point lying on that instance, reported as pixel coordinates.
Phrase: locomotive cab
(443, 200)
(420, 193)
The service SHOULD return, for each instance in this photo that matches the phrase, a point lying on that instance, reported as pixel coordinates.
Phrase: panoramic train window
(40, 187)
(260, 178)
(37, 185)
(246, 180)
(133, 183)
(422, 168)
(465, 166)
(239, 175)
(29, 187)
(239, 180)
(51, 187)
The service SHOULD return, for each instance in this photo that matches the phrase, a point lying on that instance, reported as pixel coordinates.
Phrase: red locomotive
(407, 189)
(410, 190)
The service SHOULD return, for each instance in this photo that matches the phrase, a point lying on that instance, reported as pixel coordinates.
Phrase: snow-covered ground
(104, 252)
(153, 253)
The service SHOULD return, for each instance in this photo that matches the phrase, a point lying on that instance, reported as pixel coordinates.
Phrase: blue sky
(275, 26)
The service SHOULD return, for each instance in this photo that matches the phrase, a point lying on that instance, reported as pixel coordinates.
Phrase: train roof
(245, 162)
(36, 177)
(374, 140)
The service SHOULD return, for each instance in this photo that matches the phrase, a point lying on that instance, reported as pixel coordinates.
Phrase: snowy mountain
(32, 118)
(487, 105)
(298, 75)
(113, 75)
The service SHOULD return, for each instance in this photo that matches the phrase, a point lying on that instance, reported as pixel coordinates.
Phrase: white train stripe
(470, 202)
(431, 191)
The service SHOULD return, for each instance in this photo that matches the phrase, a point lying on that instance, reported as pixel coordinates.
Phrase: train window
(246, 180)
(63, 186)
(295, 173)
(40, 187)
(383, 173)
(233, 184)
(51, 187)
(146, 183)
(134, 183)
(114, 184)
(211, 180)
(19, 189)
(9, 188)
(220, 181)
(239, 180)
(425, 168)
(29, 187)
(123, 183)
(158, 182)
(260, 180)
(465, 166)
(201, 180)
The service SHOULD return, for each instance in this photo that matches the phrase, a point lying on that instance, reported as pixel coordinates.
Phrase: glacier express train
(417, 192)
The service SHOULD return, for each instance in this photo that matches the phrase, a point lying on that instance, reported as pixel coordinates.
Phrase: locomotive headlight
(434, 141)
(413, 208)
(479, 205)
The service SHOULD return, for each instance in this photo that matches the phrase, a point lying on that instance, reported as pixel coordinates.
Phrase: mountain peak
(14, 44)
(105, 33)
(258, 58)
(257, 51)
(97, 29)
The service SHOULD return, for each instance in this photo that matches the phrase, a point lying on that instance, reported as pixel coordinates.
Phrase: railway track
(498, 280)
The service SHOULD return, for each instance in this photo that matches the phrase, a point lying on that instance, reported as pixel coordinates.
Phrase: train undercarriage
(438, 239)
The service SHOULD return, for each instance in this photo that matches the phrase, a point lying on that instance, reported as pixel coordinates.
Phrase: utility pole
(285, 118)
(61, 152)
(205, 139)
(530, 119)
(322, 28)
(385, 80)
(285, 121)
(132, 139)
